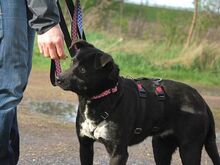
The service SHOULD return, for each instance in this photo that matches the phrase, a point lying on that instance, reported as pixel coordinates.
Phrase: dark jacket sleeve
(44, 14)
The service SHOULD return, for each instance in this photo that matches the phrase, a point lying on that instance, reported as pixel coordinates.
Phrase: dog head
(92, 71)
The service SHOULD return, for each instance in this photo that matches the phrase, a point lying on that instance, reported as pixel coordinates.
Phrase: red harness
(159, 91)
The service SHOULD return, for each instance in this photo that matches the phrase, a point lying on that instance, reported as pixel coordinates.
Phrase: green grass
(148, 60)
(151, 13)
(137, 66)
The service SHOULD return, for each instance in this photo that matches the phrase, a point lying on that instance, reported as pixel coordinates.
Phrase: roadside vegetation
(151, 41)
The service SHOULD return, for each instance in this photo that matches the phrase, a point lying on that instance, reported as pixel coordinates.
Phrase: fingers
(60, 49)
(40, 47)
(51, 43)
(52, 52)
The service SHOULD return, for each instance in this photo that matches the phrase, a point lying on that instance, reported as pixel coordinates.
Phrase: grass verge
(138, 58)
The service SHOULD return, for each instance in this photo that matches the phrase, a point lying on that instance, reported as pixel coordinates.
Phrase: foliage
(211, 5)
(149, 41)
(140, 58)
(147, 22)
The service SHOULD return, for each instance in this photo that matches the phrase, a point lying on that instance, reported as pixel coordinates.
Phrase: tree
(193, 25)
(121, 16)
(212, 5)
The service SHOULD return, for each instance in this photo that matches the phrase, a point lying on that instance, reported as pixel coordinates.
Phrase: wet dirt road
(46, 140)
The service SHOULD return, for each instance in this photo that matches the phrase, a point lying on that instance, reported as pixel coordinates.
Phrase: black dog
(120, 112)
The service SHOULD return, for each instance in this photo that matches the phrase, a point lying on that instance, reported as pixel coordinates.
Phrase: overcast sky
(172, 3)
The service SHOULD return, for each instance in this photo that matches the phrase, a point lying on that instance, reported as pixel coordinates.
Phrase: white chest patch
(101, 130)
(87, 128)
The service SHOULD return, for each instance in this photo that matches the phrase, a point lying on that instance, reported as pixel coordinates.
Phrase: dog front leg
(86, 151)
(118, 154)
(190, 153)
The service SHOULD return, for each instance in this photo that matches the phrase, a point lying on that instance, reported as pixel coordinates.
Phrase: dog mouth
(62, 83)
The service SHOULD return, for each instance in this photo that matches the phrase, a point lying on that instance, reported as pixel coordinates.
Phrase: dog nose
(59, 80)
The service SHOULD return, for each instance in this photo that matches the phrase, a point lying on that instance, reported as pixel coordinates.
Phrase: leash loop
(77, 23)
(76, 17)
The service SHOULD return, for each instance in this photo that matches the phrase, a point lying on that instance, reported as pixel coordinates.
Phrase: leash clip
(105, 115)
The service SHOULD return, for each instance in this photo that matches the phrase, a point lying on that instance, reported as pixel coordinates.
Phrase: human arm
(45, 20)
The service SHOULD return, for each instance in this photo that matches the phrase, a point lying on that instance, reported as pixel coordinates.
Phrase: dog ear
(102, 60)
(82, 44)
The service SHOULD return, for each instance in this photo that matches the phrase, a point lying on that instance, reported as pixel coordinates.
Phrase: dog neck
(105, 93)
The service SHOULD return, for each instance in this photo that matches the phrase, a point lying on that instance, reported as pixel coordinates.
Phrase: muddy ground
(47, 140)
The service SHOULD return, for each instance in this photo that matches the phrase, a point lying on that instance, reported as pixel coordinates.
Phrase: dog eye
(82, 69)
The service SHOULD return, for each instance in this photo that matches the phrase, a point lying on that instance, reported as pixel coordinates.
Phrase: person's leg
(16, 43)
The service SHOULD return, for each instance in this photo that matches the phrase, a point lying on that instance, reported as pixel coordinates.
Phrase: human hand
(51, 43)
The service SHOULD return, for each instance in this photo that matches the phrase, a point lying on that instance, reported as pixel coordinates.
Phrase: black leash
(73, 11)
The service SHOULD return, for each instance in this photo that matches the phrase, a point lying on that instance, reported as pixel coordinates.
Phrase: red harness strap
(141, 90)
(159, 91)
